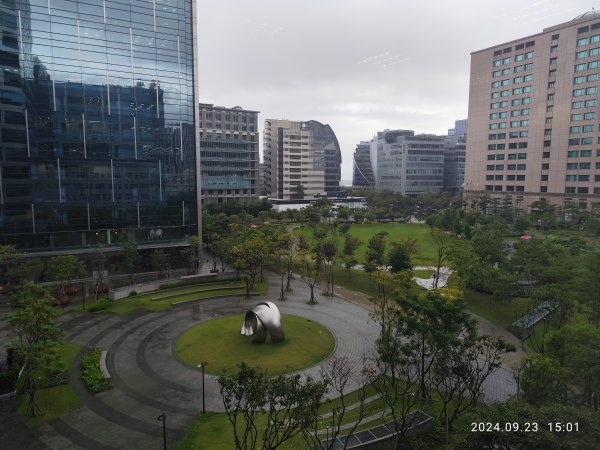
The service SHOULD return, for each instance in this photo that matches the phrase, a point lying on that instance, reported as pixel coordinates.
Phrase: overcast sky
(359, 65)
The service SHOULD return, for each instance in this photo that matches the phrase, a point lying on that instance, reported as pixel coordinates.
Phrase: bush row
(91, 374)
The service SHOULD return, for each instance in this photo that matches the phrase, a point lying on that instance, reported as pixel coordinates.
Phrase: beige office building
(303, 154)
(534, 116)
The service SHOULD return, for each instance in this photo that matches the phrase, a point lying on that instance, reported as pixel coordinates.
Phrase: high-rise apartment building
(301, 157)
(362, 175)
(98, 129)
(533, 117)
(229, 154)
(407, 163)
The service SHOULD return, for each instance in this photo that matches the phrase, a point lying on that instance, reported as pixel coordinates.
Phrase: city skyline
(360, 68)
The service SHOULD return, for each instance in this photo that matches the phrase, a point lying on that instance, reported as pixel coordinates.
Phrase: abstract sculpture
(261, 320)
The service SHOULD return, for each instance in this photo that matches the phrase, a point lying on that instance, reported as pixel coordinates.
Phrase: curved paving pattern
(149, 380)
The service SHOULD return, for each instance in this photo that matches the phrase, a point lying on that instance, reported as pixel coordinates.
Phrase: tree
(194, 252)
(577, 349)
(37, 335)
(64, 268)
(251, 254)
(329, 249)
(131, 257)
(161, 261)
(375, 255)
(442, 244)
(310, 264)
(298, 193)
(461, 369)
(289, 404)
(533, 431)
(351, 244)
(542, 380)
(400, 255)
(337, 374)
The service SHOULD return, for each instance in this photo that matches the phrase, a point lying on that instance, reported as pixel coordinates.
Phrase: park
(153, 345)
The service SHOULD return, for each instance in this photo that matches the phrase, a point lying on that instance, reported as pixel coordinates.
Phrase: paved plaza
(149, 380)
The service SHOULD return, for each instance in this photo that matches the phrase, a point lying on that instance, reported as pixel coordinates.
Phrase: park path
(149, 380)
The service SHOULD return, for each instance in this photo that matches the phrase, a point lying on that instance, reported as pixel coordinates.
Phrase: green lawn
(397, 231)
(220, 342)
(55, 401)
(162, 300)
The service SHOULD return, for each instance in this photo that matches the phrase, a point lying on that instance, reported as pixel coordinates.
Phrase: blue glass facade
(98, 136)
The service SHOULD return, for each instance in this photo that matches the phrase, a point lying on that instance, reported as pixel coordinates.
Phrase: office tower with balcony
(229, 154)
(98, 129)
(533, 117)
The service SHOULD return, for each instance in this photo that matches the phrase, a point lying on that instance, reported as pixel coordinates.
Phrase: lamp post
(163, 418)
(82, 295)
(201, 366)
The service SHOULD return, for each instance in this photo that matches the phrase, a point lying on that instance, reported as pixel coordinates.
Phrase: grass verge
(220, 342)
(54, 401)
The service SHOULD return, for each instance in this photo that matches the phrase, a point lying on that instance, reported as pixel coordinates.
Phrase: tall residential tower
(533, 117)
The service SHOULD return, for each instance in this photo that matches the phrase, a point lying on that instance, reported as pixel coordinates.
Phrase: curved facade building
(98, 129)
(302, 159)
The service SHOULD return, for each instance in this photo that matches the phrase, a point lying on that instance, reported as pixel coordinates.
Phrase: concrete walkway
(149, 380)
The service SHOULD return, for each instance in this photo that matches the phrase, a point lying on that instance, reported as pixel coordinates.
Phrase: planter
(62, 299)
(102, 288)
(71, 290)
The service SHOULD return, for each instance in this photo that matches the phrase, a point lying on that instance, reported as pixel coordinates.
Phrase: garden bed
(92, 375)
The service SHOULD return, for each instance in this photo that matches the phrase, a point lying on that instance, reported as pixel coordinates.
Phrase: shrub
(100, 305)
(132, 294)
(91, 373)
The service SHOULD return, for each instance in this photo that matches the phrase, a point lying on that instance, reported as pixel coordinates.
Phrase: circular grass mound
(220, 343)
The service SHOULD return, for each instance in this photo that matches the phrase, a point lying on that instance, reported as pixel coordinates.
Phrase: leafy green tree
(400, 255)
(461, 369)
(329, 249)
(37, 335)
(587, 285)
(442, 244)
(298, 193)
(64, 268)
(310, 264)
(542, 380)
(288, 403)
(578, 350)
(375, 255)
(537, 434)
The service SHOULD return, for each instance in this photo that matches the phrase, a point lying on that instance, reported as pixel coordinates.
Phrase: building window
(581, 55)
(553, 48)
(595, 51)
(571, 166)
(586, 153)
(582, 190)
(585, 165)
(576, 93)
(595, 38)
(544, 178)
(573, 154)
(552, 61)
(547, 143)
(582, 42)
(545, 166)
(593, 77)
(583, 178)
(571, 178)
(580, 67)
(555, 37)
(577, 80)
(546, 155)
(593, 64)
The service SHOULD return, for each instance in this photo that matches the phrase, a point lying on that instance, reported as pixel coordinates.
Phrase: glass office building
(98, 135)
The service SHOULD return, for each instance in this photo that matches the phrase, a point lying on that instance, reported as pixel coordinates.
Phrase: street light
(201, 366)
(163, 418)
